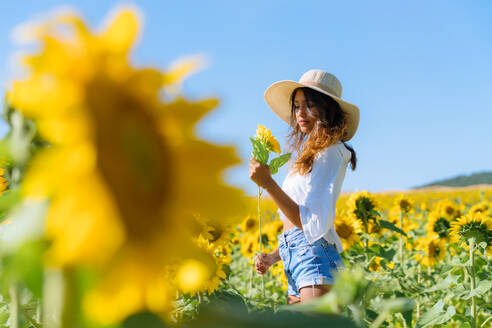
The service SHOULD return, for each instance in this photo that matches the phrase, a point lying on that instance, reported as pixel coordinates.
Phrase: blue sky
(420, 72)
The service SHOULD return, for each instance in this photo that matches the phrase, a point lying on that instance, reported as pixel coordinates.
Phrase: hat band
(321, 86)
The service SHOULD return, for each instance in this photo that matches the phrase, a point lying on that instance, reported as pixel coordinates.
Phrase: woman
(321, 122)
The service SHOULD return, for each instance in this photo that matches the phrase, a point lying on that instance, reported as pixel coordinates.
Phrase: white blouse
(317, 192)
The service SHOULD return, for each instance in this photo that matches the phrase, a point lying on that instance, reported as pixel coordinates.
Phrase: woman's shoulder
(338, 149)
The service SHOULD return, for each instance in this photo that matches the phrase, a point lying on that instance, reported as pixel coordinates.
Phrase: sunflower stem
(14, 307)
(252, 265)
(473, 312)
(402, 260)
(366, 243)
(260, 238)
(417, 314)
(69, 315)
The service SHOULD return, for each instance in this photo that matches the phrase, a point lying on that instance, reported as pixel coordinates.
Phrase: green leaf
(143, 319)
(483, 287)
(387, 254)
(278, 162)
(482, 244)
(400, 304)
(9, 198)
(427, 318)
(260, 153)
(390, 226)
(238, 318)
(443, 284)
(436, 315)
(327, 303)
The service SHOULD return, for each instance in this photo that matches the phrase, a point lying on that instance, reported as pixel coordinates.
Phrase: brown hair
(328, 129)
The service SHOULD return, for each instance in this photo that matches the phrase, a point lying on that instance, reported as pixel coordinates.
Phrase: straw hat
(277, 96)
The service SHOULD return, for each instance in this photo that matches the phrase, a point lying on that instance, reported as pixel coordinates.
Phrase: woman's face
(306, 117)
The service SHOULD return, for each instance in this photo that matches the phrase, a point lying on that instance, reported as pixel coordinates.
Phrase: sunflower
(347, 229)
(249, 224)
(448, 209)
(249, 244)
(424, 206)
(3, 181)
(198, 227)
(375, 264)
(277, 271)
(404, 204)
(409, 223)
(125, 172)
(265, 135)
(220, 258)
(272, 230)
(434, 249)
(482, 207)
(224, 253)
(363, 206)
(476, 226)
(220, 234)
(438, 225)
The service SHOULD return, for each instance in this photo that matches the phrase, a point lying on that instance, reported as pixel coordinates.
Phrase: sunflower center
(449, 210)
(344, 230)
(250, 224)
(405, 205)
(131, 156)
(216, 234)
(441, 227)
(433, 250)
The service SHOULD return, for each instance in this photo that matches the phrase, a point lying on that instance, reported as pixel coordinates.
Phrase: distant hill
(482, 178)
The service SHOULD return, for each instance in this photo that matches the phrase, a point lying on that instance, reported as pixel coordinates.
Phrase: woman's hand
(263, 262)
(259, 173)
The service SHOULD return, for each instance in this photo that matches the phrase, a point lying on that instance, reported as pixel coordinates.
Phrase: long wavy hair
(328, 129)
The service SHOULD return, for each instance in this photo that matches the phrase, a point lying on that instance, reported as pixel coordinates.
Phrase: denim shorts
(307, 264)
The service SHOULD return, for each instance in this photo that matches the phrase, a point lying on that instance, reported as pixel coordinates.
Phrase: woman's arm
(260, 174)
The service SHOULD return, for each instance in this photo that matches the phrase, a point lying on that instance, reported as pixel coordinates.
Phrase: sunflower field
(113, 213)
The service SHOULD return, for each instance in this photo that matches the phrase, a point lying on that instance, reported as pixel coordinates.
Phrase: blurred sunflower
(409, 222)
(249, 224)
(249, 243)
(448, 209)
(434, 249)
(3, 181)
(220, 234)
(375, 264)
(483, 207)
(272, 230)
(348, 229)
(404, 204)
(476, 226)
(198, 227)
(363, 206)
(113, 140)
(224, 253)
(438, 224)
(277, 270)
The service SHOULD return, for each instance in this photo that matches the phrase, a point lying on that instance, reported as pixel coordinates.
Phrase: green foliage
(436, 315)
(262, 154)
(278, 162)
(462, 180)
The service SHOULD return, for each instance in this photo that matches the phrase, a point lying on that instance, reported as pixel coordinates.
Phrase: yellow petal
(122, 31)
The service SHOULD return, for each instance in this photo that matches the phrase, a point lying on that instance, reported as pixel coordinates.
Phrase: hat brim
(277, 97)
